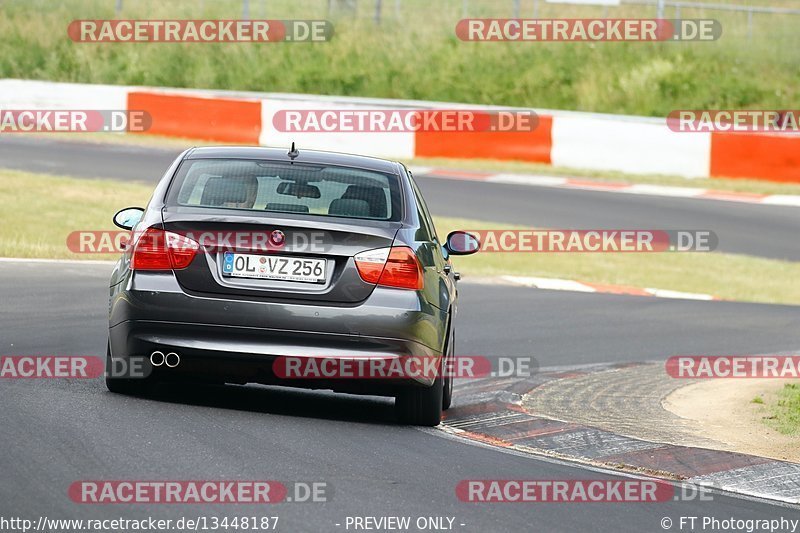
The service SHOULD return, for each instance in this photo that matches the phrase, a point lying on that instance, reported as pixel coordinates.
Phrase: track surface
(760, 230)
(57, 432)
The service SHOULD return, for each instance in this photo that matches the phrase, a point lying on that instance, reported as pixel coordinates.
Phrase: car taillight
(157, 249)
(391, 267)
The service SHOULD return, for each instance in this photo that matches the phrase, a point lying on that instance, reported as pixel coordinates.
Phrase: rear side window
(427, 229)
(268, 186)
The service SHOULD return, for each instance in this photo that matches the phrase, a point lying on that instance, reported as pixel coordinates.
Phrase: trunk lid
(330, 242)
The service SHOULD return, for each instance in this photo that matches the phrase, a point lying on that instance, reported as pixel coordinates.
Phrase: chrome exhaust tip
(157, 358)
(172, 359)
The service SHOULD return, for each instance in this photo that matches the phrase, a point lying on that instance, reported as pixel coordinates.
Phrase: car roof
(305, 156)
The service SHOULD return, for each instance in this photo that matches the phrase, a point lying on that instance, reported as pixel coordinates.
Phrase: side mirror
(127, 218)
(462, 243)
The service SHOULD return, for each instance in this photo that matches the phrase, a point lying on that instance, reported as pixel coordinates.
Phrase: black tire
(127, 386)
(447, 389)
(421, 406)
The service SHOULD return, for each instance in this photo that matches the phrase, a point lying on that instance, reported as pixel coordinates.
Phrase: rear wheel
(128, 386)
(421, 406)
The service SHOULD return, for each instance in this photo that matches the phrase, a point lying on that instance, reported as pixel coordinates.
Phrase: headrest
(349, 208)
(219, 191)
(374, 196)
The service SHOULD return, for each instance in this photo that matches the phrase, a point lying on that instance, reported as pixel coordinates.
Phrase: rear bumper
(237, 341)
(246, 355)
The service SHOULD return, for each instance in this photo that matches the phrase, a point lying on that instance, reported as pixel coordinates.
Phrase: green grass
(785, 410)
(727, 276)
(40, 211)
(415, 54)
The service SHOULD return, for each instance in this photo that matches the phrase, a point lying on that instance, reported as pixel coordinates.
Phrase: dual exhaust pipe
(171, 360)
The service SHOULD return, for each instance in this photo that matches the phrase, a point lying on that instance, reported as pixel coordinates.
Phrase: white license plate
(275, 267)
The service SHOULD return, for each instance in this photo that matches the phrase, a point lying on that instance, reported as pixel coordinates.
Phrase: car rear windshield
(269, 186)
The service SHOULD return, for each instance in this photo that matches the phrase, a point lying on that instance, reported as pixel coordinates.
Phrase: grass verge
(728, 276)
(785, 410)
(40, 211)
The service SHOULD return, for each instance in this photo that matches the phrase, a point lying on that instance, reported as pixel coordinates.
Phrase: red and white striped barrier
(635, 145)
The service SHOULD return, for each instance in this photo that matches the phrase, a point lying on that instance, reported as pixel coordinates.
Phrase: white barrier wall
(27, 94)
(632, 146)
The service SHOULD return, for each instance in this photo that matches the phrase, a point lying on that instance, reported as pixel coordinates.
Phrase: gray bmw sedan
(306, 268)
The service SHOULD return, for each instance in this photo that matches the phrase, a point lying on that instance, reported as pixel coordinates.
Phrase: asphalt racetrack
(58, 431)
(759, 230)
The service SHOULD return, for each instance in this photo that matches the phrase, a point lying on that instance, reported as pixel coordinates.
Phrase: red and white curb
(490, 412)
(555, 284)
(587, 184)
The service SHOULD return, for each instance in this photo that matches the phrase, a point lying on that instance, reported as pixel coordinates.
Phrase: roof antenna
(293, 153)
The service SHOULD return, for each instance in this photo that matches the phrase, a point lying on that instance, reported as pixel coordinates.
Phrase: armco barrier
(635, 145)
